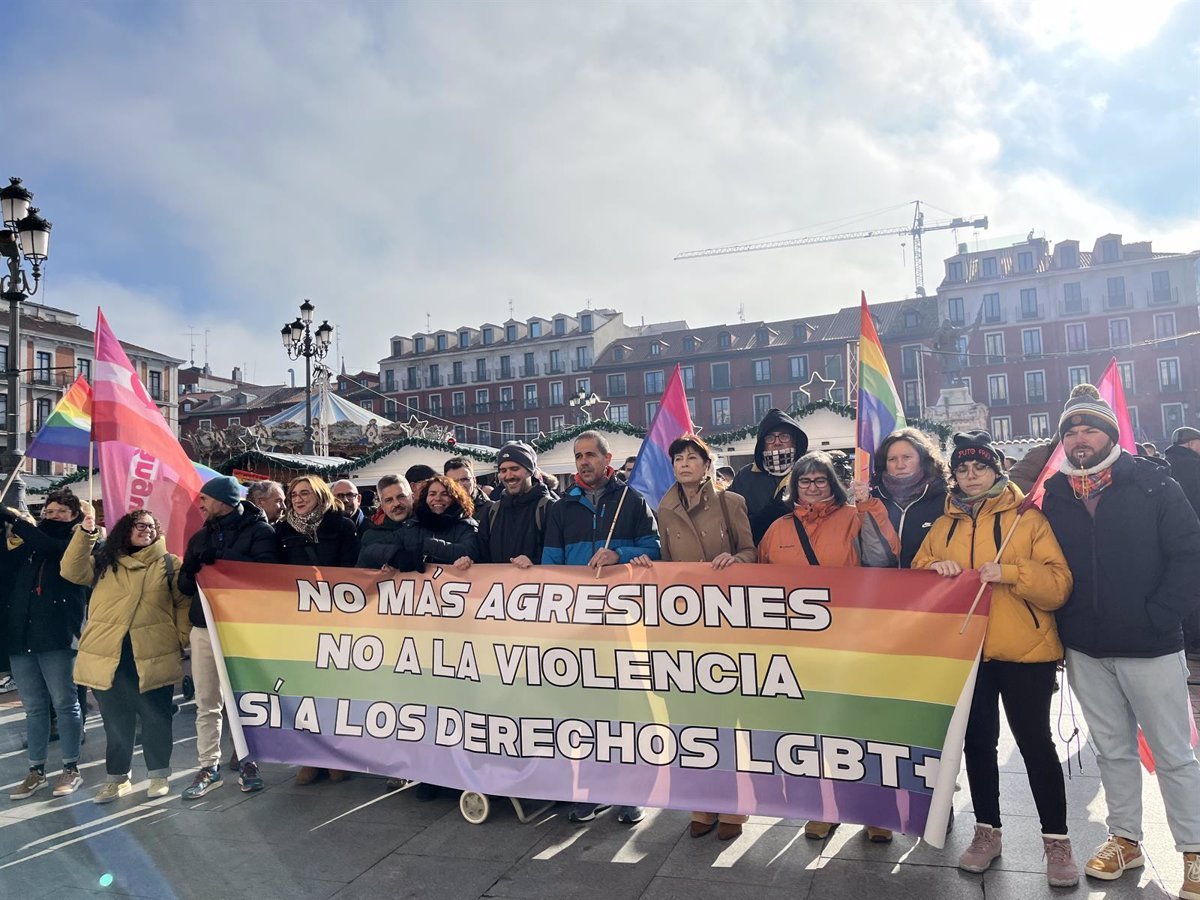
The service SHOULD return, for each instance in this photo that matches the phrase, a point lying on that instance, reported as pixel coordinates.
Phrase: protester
(1132, 542)
(626, 471)
(460, 470)
(824, 529)
(584, 528)
(418, 474)
(910, 479)
(234, 530)
(725, 476)
(764, 482)
(380, 540)
(1025, 471)
(313, 533)
(43, 623)
(348, 496)
(1021, 649)
(267, 496)
(700, 522)
(1184, 458)
(130, 652)
(512, 529)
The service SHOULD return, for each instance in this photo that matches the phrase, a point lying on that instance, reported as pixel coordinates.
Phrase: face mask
(779, 462)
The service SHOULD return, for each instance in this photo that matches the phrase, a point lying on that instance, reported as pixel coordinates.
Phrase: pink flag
(142, 465)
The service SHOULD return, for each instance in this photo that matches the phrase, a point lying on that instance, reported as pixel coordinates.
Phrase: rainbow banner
(65, 435)
(880, 411)
(790, 691)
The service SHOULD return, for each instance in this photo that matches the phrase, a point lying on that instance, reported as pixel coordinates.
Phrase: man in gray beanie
(235, 530)
(513, 528)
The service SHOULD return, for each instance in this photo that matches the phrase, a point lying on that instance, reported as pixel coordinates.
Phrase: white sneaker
(112, 790)
(7, 684)
(159, 787)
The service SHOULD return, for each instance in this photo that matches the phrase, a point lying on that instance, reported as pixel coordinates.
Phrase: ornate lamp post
(300, 340)
(25, 237)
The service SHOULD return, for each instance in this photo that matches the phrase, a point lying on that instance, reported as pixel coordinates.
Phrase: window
(799, 399)
(510, 335)
(389, 379)
(82, 366)
(531, 396)
(1077, 375)
(1024, 264)
(1133, 421)
(42, 413)
(531, 426)
(656, 349)
(1031, 342)
(483, 432)
(528, 366)
(724, 340)
(583, 385)
(556, 393)
(1072, 298)
(558, 423)
(508, 430)
(397, 346)
(155, 385)
(720, 415)
(762, 371)
(912, 399)
(991, 308)
(556, 364)
(1076, 337)
(489, 335)
(837, 395)
(1029, 303)
(441, 342)
(583, 358)
(691, 402)
(506, 399)
(457, 376)
(481, 401)
(1115, 297)
(1118, 332)
(585, 323)
(1160, 287)
(391, 408)
(435, 375)
(688, 375)
(460, 433)
(41, 372)
(651, 411)
(1168, 373)
(458, 403)
(464, 339)
(689, 344)
(1068, 256)
(1172, 414)
(1164, 327)
(720, 375)
(411, 379)
(560, 326)
(1039, 425)
(618, 354)
(798, 368)
(912, 318)
(618, 412)
(414, 404)
(435, 404)
(762, 403)
(954, 270)
(535, 330)
(367, 404)
(954, 310)
(833, 367)
(1001, 428)
(616, 385)
(1035, 387)
(998, 390)
(1110, 251)
(994, 344)
(987, 267)
(654, 382)
(419, 344)
(762, 337)
(202, 425)
(506, 367)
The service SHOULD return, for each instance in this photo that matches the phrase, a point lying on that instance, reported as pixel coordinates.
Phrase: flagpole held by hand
(613, 526)
(984, 584)
(91, 475)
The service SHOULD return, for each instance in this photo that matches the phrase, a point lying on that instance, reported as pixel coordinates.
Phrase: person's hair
(388, 481)
(419, 472)
(325, 499)
(694, 441)
(726, 472)
(259, 489)
(457, 462)
(630, 459)
(119, 539)
(461, 497)
(822, 463)
(601, 441)
(65, 498)
(933, 464)
(345, 481)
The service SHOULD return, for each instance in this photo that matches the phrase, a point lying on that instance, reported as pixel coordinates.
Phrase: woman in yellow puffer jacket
(1021, 649)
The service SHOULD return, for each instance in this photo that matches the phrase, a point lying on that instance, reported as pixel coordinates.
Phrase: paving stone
(453, 836)
(769, 855)
(621, 866)
(838, 879)
(405, 875)
(672, 888)
(1030, 886)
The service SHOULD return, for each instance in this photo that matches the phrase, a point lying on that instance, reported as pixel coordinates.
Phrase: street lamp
(299, 340)
(25, 237)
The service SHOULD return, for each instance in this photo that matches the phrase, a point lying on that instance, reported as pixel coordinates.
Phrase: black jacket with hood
(242, 535)
(1185, 468)
(45, 611)
(913, 520)
(760, 489)
(513, 527)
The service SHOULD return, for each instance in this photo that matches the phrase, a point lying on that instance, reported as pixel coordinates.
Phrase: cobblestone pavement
(352, 840)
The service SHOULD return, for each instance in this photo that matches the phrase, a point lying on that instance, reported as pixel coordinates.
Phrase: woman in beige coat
(129, 652)
(697, 522)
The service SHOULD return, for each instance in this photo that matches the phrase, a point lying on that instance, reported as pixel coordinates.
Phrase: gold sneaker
(112, 790)
(1191, 877)
(1113, 858)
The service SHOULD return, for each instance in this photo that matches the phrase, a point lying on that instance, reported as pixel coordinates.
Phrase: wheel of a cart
(474, 807)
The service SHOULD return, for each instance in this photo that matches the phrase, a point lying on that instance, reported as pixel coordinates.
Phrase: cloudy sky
(208, 164)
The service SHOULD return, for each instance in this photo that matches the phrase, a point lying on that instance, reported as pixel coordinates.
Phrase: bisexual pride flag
(879, 409)
(653, 473)
(66, 434)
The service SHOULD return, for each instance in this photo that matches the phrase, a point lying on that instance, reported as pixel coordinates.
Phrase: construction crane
(918, 228)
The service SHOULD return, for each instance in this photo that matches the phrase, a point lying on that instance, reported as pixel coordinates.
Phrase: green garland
(257, 456)
(77, 475)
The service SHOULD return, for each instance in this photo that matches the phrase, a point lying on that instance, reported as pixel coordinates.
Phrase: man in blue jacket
(577, 534)
(1132, 541)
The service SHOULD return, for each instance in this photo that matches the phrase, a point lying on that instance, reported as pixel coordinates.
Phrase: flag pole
(982, 585)
(613, 526)
(91, 475)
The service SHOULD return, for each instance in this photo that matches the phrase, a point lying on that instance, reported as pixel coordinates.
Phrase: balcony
(531, 403)
(457, 378)
(581, 365)
(481, 407)
(1075, 306)
(1170, 387)
(556, 400)
(1035, 398)
(1034, 311)
(480, 377)
(998, 401)
(1118, 301)
(412, 384)
(721, 384)
(505, 372)
(435, 381)
(1163, 296)
(617, 391)
(722, 419)
(458, 409)
(530, 371)
(555, 368)
(994, 318)
(507, 405)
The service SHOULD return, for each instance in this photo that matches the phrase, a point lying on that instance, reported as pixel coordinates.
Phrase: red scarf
(609, 472)
(1086, 485)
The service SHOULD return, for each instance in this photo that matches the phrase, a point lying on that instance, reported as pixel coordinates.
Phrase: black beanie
(976, 446)
(520, 453)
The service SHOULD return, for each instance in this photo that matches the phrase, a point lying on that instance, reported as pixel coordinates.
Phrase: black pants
(121, 706)
(1025, 689)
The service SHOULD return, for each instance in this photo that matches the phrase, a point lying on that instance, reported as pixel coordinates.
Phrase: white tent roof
(333, 409)
(398, 461)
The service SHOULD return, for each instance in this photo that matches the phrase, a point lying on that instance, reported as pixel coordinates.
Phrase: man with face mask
(763, 483)
(1132, 542)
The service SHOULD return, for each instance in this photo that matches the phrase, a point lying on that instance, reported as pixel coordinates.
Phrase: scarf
(971, 505)
(904, 489)
(1087, 482)
(305, 524)
(810, 512)
(609, 472)
(438, 522)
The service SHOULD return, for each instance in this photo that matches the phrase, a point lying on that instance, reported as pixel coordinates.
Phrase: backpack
(539, 514)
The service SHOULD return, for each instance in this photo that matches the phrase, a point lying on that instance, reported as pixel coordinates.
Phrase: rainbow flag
(66, 433)
(653, 473)
(880, 411)
(826, 693)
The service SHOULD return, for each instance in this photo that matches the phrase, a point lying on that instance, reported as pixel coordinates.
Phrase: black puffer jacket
(379, 542)
(1136, 564)
(336, 543)
(913, 520)
(759, 488)
(45, 611)
(240, 536)
(1185, 468)
(519, 529)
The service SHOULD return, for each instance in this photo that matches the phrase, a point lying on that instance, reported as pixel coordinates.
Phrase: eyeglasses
(145, 526)
(341, 496)
(812, 482)
(299, 495)
(782, 438)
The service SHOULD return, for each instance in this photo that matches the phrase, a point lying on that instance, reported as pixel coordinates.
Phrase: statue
(946, 344)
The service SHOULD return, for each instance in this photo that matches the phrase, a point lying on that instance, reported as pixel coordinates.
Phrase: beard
(1084, 457)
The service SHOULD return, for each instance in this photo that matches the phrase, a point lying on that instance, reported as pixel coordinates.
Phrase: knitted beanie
(223, 488)
(1085, 407)
(976, 446)
(520, 453)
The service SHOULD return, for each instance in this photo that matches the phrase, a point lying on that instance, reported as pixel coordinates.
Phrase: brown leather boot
(337, 775)
(307, 775)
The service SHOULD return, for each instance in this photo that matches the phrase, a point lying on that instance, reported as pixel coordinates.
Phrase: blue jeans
(45, 680)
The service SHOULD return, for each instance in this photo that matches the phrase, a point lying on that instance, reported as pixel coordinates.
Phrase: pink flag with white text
(142, 464)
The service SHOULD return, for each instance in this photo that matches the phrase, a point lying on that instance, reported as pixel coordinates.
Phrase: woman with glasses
(130, 650)
(313, 532)
(826, 529)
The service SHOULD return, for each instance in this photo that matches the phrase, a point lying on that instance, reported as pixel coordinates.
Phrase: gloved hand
(208, 557)
(405, 560)
(191, 564)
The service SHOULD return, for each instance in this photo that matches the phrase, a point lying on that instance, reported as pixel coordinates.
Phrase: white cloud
(1110, 28)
